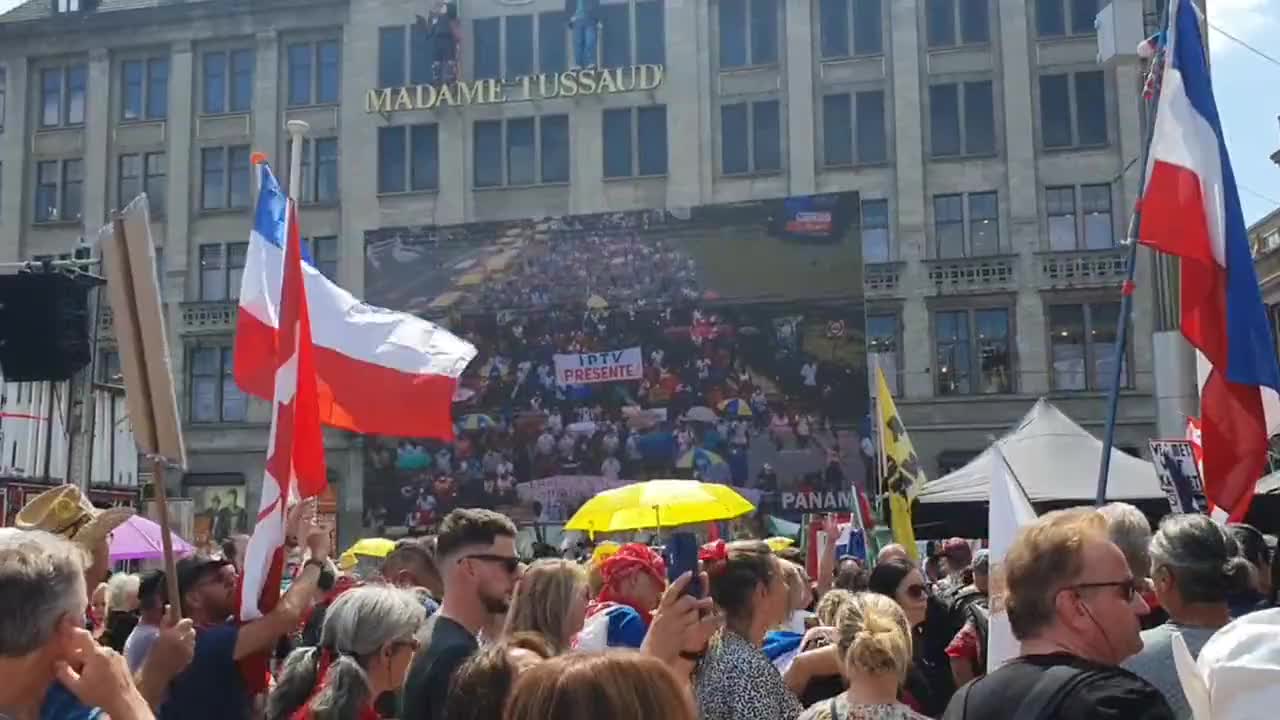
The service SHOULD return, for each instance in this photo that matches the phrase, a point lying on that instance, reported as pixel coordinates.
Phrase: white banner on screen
(598, 367)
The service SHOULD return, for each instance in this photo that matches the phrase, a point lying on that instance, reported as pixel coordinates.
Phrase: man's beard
(495, 604)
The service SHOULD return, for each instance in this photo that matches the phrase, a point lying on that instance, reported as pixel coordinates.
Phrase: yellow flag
(903, 476)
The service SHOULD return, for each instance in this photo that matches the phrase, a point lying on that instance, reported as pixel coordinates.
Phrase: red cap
(629, 559)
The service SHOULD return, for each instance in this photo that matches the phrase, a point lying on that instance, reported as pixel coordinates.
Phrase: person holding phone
(633, 580)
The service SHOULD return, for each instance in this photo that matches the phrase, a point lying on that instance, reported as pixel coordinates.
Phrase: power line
(1259, 195)
(1246, 45)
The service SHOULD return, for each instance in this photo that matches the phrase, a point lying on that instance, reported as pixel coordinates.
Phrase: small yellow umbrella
(368, 547)
(657, 504)
(778, 543)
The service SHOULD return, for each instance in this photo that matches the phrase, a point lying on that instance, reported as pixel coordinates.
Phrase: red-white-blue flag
(377, 371)
(1191, 209)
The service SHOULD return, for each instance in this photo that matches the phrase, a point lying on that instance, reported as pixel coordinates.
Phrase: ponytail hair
(296, 682)
(875, 638)
(735, 570)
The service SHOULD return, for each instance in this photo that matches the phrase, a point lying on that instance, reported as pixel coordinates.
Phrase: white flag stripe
(1010, 511)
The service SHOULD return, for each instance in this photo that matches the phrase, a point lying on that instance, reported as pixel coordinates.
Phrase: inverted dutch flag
(1190, 208)
(377, 371)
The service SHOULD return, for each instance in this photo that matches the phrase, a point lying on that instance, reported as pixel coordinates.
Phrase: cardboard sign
(607, 366)
(1175, 464)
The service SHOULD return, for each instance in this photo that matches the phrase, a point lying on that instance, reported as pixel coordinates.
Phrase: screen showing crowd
(723, 343)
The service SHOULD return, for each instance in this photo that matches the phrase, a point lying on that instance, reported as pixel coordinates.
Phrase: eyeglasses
(510, 563)
(1129, 587)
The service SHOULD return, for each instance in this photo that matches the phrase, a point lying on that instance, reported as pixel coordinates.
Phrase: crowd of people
(718, 380)
(459, 626)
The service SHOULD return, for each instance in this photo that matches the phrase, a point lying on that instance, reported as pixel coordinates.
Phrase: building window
(109, 368)
(62, 7)
(221, 267)
(322, 252)
(982, 220)
(313, 73)
(635, 141)
(128, 179)
(553, 43)
(623, 42)
(408, 158)
(1099, 232)
(228, 81)
(1060, 211)
(224, 175)
(956, 354)
(876, 238)
(882, 347)
(1052, 17)
(949, 23)
(155, 184)
(214, 394)
(62, 95)
(1094, 219)
(521, 151)
(748, 33)
(853, 129)
(750, 138)
(1073, 109)
(1082, 344)
(651, 33)
(486, 38)
(851, 28)
(144, 89)
(519, 45)
(967, 130)
(319, 172)
(391, 56)
(59, 189)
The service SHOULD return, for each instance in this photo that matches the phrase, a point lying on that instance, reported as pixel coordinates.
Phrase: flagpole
(1126, 292)
(297, 129)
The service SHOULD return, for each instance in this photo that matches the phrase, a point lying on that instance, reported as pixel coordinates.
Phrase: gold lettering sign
(589, 81)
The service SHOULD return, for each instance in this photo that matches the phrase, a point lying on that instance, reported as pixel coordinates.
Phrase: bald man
(892, 552)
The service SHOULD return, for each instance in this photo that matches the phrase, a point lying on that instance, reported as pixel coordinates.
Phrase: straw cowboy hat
(65, 511)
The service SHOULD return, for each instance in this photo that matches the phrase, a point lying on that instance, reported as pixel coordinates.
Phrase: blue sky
(1245, 87)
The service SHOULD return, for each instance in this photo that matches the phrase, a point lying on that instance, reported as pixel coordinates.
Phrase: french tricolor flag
(377, 371)
(1190, 208)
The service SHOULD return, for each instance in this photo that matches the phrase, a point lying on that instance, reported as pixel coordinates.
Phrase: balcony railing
(881, 278)
(1083, 268)
(973, 275)
(208, 316)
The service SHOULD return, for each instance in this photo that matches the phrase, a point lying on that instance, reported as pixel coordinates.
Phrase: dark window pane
(615, 35)
(426, 157)
(157, 88)
(553, 54)
(764, 32)
(328, 79)
(391, 56)
(975, 21)
(1083, 13)
(521, 152)
(651, 33)
(215, 82)
(130, 183)
(241, 80)
(1091, 108)
(555, 148)
(833, 22)
(299, 74)
(734, 155)
(875, 231)
(733, 33)
(487, 161)
(1067, 346)
(940, 23)
(236, 254)
(213, 276)
(616, 136)
(1104, 323)
(868, 27)
(131, 91)
(1099, 233)
(979, 119)
(952, 352)
(767, 135)
(51, 97)
(1055, 111)
(46, 199)
(156, 187)
(994, 359)
(213, 193)
(1060, 205)
(882, 347)
(872, 143)
(391, 159)
(238, 167)
(420, 55)
(984, 224)
(948, 221)
(944, 120)
(1050, 20)
(652, 140)
(486, 38)
(327, 170)
(519, 45)
(233, 399)
(77, 76)
(837, 130)
(72, 189)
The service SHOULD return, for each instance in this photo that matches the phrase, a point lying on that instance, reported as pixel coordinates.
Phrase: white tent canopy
(1054, 459)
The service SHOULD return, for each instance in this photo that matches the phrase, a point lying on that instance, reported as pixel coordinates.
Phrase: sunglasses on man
(510, 563)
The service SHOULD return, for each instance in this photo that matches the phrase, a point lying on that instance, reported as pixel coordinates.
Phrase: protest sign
(1179, 475)
(598, 367)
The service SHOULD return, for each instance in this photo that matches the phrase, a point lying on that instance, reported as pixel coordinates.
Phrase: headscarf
(628, 560)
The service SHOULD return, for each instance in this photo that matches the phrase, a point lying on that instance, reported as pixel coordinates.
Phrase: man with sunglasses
(476, 557)
(1074, 606)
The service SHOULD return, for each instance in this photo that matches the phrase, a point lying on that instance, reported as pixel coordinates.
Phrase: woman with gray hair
(1195, 566)
(365, 648)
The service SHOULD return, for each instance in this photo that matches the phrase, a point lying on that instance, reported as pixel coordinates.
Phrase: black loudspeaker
(44, 326)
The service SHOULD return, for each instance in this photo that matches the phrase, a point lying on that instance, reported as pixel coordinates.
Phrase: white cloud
(1245, 19)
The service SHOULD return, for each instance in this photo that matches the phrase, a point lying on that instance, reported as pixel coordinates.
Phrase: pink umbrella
(139, 539)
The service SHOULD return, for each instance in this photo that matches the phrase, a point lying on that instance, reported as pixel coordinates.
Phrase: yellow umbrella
(659, 503)
(369, 547)
(778, 543)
